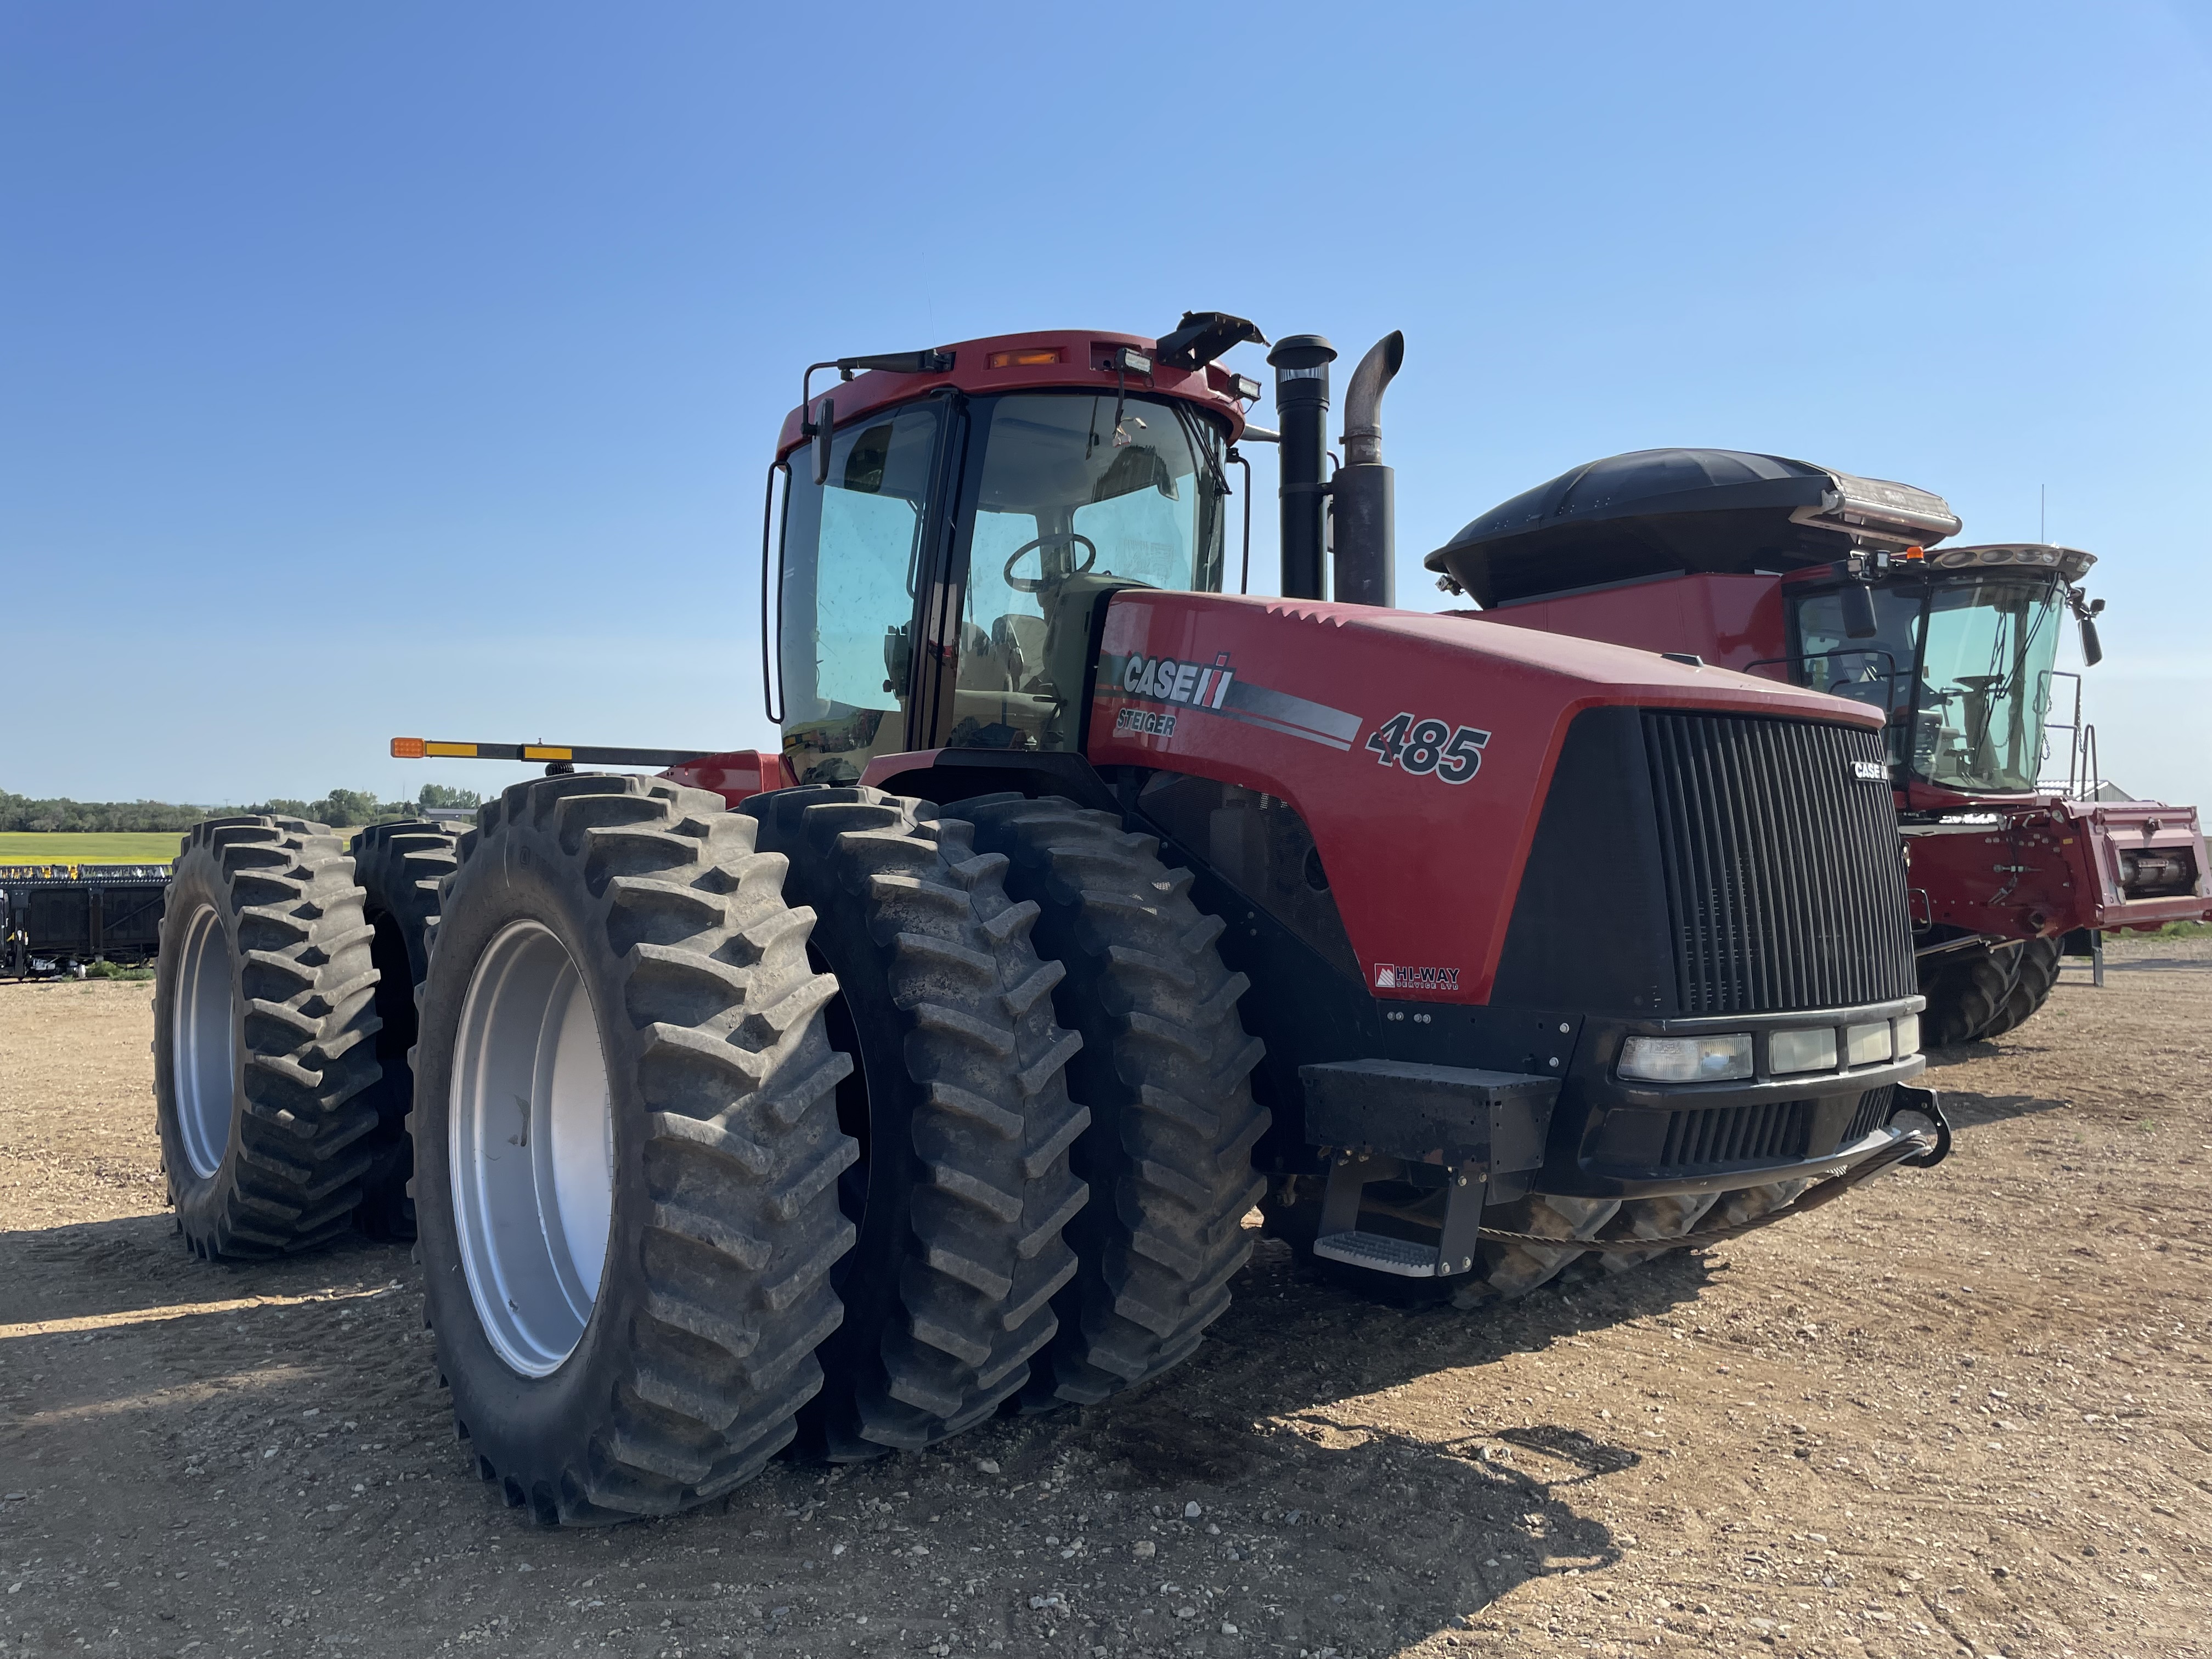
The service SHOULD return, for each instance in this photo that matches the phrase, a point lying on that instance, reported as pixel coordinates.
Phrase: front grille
(1785, 887)
(1873, 1112)
(1773, 1133)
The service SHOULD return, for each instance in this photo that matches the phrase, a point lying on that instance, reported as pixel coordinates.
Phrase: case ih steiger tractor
(932, 1066)
(1833, 582)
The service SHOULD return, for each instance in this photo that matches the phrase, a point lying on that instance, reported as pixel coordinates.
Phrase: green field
(28, 847)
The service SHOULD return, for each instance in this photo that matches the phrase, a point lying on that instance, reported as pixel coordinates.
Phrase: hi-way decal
(1216, 688)
(1396, 976)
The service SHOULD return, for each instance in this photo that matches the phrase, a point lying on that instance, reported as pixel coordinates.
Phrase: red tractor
(1835, 583)
(933, 1066)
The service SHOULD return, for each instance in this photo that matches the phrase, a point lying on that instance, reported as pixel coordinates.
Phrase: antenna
(2042, 512)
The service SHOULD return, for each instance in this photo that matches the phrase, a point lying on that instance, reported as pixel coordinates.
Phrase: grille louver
(1785, 884)
(1768, 1133)
(1873, 1112)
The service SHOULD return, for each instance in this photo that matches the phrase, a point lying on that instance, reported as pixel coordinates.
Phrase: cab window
(852, 551)
(1072, 488)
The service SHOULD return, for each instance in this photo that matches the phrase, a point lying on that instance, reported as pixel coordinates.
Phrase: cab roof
(1042, 360)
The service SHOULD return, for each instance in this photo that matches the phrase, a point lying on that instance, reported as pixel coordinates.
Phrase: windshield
(1962, 667)
(1073, 487)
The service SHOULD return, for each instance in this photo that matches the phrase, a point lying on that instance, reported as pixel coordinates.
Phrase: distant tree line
(341, 808)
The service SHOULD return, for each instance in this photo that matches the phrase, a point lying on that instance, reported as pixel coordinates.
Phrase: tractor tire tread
(1165, 1069)
(990, 1189)
(2032, 986)
(306, 987)
(400, 867)
(729, 1269)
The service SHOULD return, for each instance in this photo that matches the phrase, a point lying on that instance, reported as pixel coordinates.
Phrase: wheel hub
(203, 1042)
(532, 1153)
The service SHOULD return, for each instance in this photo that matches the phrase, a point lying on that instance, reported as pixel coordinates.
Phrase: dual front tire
(1984, 991)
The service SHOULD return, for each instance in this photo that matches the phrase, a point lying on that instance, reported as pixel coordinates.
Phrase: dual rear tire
(265, 1024)
(734, 1128)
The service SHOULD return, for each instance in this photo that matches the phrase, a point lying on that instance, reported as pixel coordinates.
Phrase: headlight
(1867, 1044)
(1686, 1060)
(1812, 1050)
(1908, 1036)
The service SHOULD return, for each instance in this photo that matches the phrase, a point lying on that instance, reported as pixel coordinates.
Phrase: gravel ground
(1959, 1412)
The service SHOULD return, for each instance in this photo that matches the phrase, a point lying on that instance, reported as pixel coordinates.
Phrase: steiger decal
(1217, 689)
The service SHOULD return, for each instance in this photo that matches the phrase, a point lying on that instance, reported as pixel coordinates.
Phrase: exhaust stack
(1364, 492)
(1301, 365)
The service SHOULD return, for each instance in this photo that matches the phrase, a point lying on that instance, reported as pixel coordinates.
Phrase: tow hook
(1923, 1102)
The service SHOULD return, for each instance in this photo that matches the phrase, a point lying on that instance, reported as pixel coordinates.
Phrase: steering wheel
(1023, 584)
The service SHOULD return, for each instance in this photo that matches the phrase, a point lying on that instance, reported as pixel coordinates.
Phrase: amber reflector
(407, 748)
(1028, 357)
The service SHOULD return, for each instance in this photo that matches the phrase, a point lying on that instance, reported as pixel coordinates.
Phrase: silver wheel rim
(203, 1042)
(532, 1153)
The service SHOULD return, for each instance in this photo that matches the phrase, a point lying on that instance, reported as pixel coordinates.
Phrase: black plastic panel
(1784, 880)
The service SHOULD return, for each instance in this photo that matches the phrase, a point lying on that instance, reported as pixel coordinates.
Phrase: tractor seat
(1017, 641)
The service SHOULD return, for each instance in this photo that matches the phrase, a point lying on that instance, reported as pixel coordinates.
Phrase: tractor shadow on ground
(139, 1264)
(1968, 1110)
(1393, 1531)
(1402, 1532)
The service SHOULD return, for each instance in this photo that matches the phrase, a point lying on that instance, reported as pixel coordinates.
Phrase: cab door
(857, 574)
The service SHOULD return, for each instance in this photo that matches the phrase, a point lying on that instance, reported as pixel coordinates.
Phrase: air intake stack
(1301, 365)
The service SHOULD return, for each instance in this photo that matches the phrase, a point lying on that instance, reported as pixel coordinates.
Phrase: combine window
(1961, 664)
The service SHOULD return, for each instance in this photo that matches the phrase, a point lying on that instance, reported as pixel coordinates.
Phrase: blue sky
(412, 368)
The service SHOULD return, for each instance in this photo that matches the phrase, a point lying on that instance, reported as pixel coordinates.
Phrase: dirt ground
(1959, 1412)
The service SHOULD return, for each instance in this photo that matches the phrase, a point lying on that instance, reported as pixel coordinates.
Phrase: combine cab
(934, 1065)
(1835, 583)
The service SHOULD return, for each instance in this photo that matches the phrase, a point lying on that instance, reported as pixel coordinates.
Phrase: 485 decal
(1429, 748)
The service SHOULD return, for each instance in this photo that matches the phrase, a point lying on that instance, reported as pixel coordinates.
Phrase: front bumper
(1613, 1137)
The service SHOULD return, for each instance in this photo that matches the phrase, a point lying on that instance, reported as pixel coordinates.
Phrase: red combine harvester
(763, 1097)
(1774, 567)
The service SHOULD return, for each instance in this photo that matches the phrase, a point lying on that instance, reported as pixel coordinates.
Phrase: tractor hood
(1419, 748)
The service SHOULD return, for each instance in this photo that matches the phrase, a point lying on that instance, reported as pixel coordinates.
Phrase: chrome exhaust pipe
(1363, 494)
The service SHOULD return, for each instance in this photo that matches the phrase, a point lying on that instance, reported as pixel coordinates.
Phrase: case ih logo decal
(1165, 680)
(1215, 688)
(1870, 771)
(1429, 748)
(1390, 977)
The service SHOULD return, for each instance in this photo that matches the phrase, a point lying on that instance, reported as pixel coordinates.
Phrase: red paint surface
(2054, 866)
(1084, 349)
(1729, 620)
(734, 775)
(1425, 872)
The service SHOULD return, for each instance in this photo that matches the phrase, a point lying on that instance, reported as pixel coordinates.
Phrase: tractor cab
(948, 531)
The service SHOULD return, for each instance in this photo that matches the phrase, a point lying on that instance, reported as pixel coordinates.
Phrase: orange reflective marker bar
(407, 748)
(451, 751)
(1028, 357)
(542, 751)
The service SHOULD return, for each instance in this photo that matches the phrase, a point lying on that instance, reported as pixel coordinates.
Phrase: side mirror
(2092, 652)
(1857, 601)
(824, 425)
